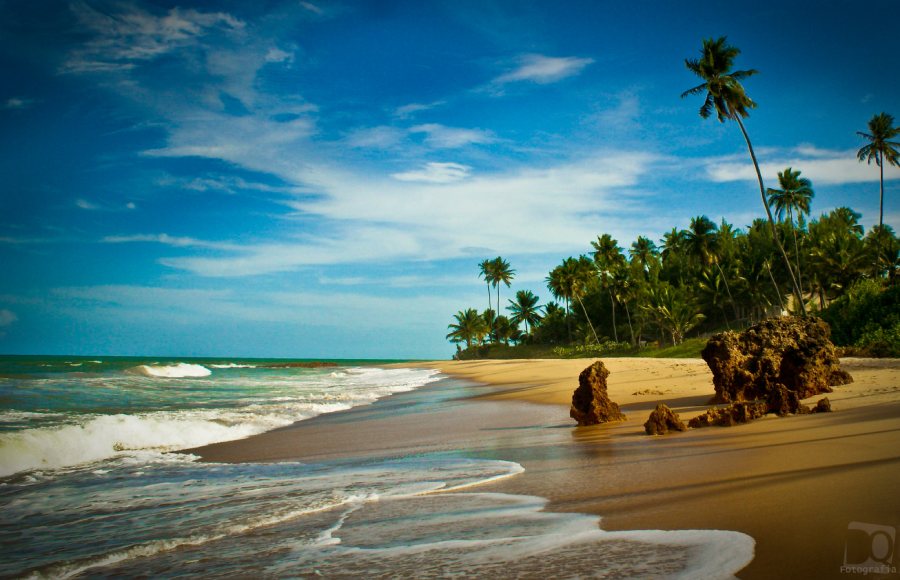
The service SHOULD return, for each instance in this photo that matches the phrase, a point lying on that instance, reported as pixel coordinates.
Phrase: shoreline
(794, 484)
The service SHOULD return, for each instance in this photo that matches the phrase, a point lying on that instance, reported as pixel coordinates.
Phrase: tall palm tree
(503, 274)
(569, 280)
(486, 268)
(794, 196)
(608, 257)
(643, 250)
(469, 326)
(726, 96)
(880, 148)
(702, 242)
(525, 309)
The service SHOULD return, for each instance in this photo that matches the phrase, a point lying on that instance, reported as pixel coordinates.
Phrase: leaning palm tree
(503, 274)
(525, 309)
(794, 196)
(469, 326)
(726, 96)
(569, 281)
(881, 149)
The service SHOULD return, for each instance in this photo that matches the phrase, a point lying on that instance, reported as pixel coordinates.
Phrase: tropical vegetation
(709, 276)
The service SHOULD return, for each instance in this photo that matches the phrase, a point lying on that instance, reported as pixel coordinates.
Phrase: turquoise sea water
(88, 488)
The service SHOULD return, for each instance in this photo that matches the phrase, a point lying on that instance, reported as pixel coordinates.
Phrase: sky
(321, 179)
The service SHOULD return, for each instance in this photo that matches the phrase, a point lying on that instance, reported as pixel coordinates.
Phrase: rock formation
(785, 352)
(730, 415)
(822, 406)
(590, 402)
(662, 420)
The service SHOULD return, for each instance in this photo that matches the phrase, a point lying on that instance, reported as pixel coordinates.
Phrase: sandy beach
(794, 484)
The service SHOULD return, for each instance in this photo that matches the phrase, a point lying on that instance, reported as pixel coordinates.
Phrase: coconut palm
(486, 268)
(673, 311)
(525, 309)
(643, 250)
(794, 196)
(726, 96)
(608, 257)
(881, 149)
(569, 281)
(469, 326)
(502, 273)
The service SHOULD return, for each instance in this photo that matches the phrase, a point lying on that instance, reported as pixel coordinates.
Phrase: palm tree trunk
(777, 291)
(630, 328)
(568, 320)
(490, 330)
(880, 218)
(613, 302)
(762, 193)
(724, 279)
(725, 316)
(594, 332)
(796, 250)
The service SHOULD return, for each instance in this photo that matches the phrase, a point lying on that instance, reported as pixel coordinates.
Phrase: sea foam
(176, 371)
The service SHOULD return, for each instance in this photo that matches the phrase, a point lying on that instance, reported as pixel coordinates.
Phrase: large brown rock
(590, 402)
(784, 352)
(662, 420)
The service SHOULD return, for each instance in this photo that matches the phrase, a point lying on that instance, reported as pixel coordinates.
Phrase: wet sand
(794, 484)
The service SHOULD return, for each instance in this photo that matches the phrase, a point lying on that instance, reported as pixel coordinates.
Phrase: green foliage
(866, 317)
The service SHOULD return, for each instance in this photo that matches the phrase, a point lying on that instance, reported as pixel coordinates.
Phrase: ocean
(90, 488)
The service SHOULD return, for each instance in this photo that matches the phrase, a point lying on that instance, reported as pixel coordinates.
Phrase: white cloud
(452, 137)
(312, 7)
(436, 173)
(407, 111)
(130, 205)
(131, 35)
(382, 137)
(278, 55)
(83, 204)
(175, 241)
(18, 103)
(821, 166)
(544, 69)
(7, 317)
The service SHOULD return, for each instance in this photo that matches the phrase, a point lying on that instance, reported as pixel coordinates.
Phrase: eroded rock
(590, 401)
(729, 416)
(662, 420)
(823, 405)
(782, 352)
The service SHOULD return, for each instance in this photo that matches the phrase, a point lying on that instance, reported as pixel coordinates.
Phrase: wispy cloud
(407, 111)
(93, 206)
(312, 7)
(452, 137)
(822, 166)
(7, 317)
(175, 241)
(129, 35)
(436, 173)
(383, 137)
(542, 69)
(18, 103)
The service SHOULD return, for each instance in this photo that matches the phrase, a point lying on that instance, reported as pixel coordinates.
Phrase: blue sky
(320, 179)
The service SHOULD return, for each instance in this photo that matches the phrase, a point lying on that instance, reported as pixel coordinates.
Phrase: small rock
(729, 416)
(590, 401)
(822, 406)
(662, 420)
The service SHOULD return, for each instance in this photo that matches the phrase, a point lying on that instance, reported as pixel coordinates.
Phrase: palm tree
(487, 271)
(569, 280)
(525, 309)
(726, 96)
(469, 326)
(880, 148)
(702, 242)
(673, 310)
(502, 274)
(643, 250)
(608, 257)
(794, 196)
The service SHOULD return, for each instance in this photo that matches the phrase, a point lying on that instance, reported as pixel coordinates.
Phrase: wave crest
(176, 371)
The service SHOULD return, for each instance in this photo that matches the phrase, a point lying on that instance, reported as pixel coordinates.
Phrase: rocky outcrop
(822, 406)
(785, 352)
(662, 420)
(590, 402)
(729, 416)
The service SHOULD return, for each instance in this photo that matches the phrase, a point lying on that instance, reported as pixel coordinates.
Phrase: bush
(866, 317)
